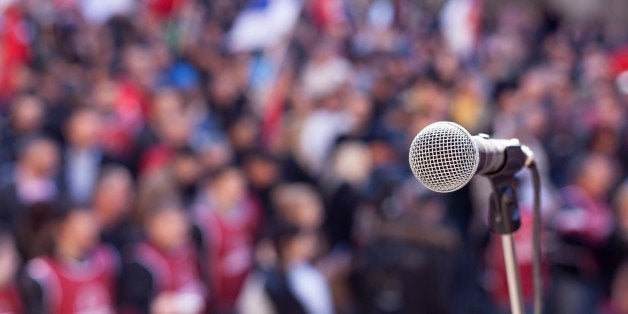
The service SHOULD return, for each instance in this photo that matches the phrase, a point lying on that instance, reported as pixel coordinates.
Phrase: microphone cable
(536, 239)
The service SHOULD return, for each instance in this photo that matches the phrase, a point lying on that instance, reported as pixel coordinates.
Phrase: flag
(263, 23)
(460, 25)
(266, 26)
(98, 12)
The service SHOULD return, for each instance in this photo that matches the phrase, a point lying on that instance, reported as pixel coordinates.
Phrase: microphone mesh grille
(443, 157)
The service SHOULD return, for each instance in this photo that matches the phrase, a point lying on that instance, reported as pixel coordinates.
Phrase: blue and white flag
(263, 23)
(460, 25)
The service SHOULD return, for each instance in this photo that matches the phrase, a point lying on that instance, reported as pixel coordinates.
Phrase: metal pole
(512, 274)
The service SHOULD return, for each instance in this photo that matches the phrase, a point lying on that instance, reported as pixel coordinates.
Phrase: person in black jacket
(292, 285)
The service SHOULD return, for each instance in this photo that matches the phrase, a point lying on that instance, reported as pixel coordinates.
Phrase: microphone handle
(492, 153)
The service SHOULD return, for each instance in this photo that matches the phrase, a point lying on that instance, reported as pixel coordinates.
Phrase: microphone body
(444, 156)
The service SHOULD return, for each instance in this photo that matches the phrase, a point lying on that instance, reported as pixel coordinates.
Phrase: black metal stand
(505, 219)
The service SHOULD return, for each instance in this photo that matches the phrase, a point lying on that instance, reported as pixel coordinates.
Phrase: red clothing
(155, 158)
(126, 119)
(11, 300)
(619, 61)
(172, 272)
(327, 14)
(164, 9)
(230, 241)
(584, 217)
(14, 47)
(87, 287)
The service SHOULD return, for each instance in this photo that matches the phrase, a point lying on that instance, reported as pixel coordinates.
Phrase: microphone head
(444, 157)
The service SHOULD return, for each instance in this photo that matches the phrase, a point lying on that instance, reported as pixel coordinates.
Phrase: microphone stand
(505, 219)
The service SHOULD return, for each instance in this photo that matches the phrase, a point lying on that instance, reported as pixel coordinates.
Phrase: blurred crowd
(147, 166)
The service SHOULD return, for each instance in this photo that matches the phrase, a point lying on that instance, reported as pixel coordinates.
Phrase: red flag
(272, 119)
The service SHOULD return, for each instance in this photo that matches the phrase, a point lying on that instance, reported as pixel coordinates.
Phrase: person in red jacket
(163, 275)
(228, 220)
(77, 275)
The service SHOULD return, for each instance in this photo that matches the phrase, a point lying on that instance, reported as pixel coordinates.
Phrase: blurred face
(215, 156)
(168, 228)
(360, 108)
(352, 163)
(301, 248)
(308, 215)
(176, 131)
(261, 173)
(381, 152)
(79, 231)
(104, 95)
(597, 176)
(84, 129)
(508, 101)
(229, 189)
(605, 141)
(243, 134)
(595, 66)
(170, 119)
(27, 115)
(609, 111)
(138, 61)
(534, 84)
(186, 168)
(42, 158)
(535, 120)
(166, 104)
(224, 89)
(113, 198)
(447, 65)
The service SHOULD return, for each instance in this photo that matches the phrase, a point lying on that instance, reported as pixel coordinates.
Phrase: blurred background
(250, 156)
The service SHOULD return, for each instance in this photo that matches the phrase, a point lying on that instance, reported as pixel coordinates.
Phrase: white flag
(263, 23)
(460, 22)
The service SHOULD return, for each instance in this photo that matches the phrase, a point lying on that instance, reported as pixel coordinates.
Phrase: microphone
(444, 156)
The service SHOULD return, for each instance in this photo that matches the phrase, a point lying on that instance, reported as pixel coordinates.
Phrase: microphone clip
(504, 215)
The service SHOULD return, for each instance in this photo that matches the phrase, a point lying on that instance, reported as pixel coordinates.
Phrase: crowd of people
(147, 166)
